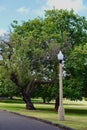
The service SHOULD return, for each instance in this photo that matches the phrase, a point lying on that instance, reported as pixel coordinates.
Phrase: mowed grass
(75, 112)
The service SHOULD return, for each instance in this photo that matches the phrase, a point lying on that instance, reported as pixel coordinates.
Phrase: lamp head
(60, 56)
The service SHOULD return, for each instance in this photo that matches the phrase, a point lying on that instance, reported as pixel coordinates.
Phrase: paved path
(10, 121)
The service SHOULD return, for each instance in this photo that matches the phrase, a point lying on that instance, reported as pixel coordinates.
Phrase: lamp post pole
(61, 111)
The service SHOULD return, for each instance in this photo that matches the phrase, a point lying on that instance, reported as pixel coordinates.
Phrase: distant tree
(76, 79)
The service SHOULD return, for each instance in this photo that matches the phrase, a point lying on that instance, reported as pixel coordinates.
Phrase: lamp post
(61, 111)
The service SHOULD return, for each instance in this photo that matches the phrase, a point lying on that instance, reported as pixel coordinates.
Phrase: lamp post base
(61, 113)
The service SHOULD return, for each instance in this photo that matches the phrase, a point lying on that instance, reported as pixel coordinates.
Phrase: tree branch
(45, 82)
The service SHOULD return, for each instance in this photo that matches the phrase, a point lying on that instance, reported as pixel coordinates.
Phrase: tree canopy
(30, 52)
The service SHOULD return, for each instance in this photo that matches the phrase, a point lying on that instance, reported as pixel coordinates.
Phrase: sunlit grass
(75, 112)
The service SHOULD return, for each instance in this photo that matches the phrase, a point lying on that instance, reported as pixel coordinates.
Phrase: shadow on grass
(76, 111)
(44, 107)
(12, 101)
(7, 100)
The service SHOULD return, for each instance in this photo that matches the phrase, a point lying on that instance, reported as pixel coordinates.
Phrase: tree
(75, 81)
(7, 87)
(30, 52)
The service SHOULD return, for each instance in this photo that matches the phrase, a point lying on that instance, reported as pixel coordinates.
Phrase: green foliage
(70, 26)
(7, 88)
(32, 48)
(76, 80)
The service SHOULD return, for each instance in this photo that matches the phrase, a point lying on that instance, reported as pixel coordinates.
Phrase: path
(11, 121)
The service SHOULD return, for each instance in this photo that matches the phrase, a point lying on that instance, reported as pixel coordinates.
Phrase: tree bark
(26, 97)
(56, 104)
(29, 104)
(44, 100)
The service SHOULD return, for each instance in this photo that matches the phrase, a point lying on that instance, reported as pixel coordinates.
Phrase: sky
(23, 10)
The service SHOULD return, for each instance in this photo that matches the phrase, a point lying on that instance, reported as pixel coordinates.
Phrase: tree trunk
(44, 100)
(11, 97)
(56, 104)
(27, 100)
(26, 97)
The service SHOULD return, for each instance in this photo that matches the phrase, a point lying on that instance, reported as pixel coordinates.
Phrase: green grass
(75, 112)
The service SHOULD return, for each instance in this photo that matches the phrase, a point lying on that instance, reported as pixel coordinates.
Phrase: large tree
(30, 52)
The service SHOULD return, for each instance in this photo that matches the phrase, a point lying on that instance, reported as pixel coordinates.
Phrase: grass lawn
(75, 112)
